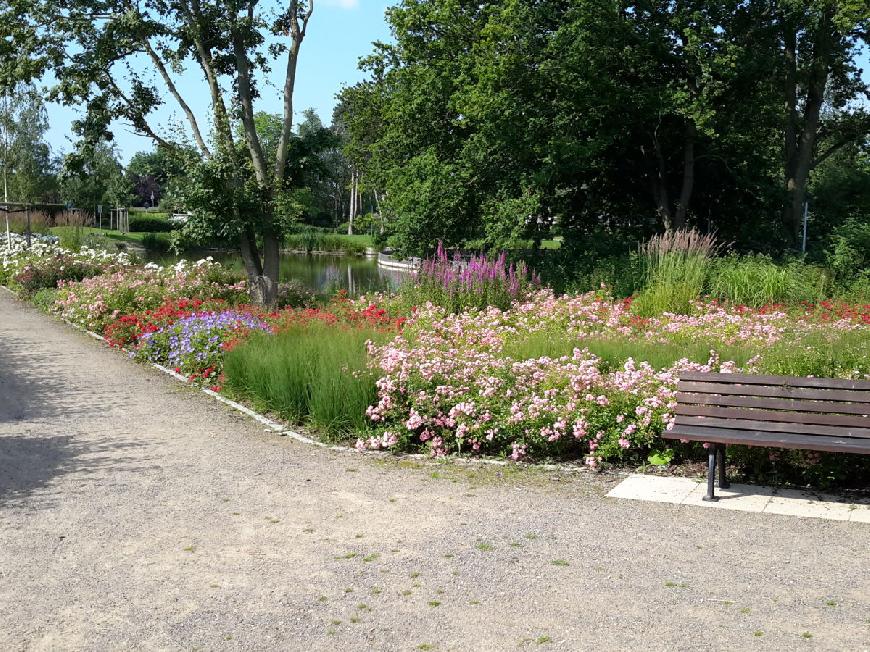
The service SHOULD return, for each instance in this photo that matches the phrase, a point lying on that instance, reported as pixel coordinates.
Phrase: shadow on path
(35, 384)
(29, 463)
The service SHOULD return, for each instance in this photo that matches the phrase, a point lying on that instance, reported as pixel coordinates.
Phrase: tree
(92, 176)
(25, 158)
(243, 196)
(520, 120)
(152, 173)
(817, 47)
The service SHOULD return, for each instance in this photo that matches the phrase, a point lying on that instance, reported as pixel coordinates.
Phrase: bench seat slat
(787, 381)
(767, 403)
(818, 418)
(775, 391)
(776, 440)
(771, 426)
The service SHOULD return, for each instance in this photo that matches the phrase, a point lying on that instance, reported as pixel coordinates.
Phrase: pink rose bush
(454, 383)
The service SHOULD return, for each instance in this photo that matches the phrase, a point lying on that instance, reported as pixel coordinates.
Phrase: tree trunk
(801, 135)
(660, 188)
(679, 221)
(354, 191)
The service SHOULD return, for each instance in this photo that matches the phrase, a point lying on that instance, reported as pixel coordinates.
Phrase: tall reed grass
(756, 281)
(675, 265)
(312, 372)
(313, 241)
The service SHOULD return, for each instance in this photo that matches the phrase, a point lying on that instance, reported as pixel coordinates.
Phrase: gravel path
(138, 514)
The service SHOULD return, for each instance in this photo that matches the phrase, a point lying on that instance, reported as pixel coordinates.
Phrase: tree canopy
(511, 120)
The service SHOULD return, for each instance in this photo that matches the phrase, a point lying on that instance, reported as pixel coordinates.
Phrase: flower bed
(546, 377)
(96, 302)
(566, 377)
(45, 263)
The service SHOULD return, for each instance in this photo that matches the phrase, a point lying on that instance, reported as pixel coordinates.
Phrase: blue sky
(340, 32)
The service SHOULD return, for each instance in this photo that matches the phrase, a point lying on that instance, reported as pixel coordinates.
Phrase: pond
(318, 272)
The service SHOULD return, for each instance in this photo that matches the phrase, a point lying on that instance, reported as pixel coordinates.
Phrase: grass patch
(312, 372)
(614, 352)
(756, 281)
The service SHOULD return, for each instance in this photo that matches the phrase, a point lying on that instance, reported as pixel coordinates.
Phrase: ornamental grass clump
(477, 283)
(676, 264)
(315, 370)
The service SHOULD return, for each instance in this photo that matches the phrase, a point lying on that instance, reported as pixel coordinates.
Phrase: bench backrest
(778, 410)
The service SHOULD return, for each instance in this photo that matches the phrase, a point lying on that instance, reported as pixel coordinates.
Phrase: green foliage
(615, 352)
(44, 299)
(430, 199)
(149, 224)
(756, 281)
(848, 253)
(72, 238)
(27, 169)
(157, 243)
(828, 355)
(311, 241)
(676, 266)
(312, 372)
(91, 175)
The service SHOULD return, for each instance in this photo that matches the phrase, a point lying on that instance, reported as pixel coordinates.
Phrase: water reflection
(322, 272)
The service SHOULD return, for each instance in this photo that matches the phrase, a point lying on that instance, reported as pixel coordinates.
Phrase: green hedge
(149, 224)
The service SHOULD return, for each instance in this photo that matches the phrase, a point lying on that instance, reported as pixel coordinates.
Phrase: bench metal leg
(712, 453)
(723, 481)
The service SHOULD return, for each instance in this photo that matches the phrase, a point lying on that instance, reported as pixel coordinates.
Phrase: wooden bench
(819, 414)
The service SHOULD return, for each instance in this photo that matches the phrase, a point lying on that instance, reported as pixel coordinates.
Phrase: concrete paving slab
(791, 502)
(654, 488)
(742, 497)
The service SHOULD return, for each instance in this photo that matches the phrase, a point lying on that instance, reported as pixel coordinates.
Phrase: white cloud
(343, 4)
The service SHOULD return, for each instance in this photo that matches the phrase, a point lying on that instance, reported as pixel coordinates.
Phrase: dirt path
(135, 513)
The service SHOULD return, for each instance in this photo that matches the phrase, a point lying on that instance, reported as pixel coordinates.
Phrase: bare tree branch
(139, 123)
(297, 34)
(191, 118)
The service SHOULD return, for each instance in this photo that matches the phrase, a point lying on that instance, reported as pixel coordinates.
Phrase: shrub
(158, 243)
(675, 265)
(848, 253)
(149, 224)
(295, 295)
(48, 272)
